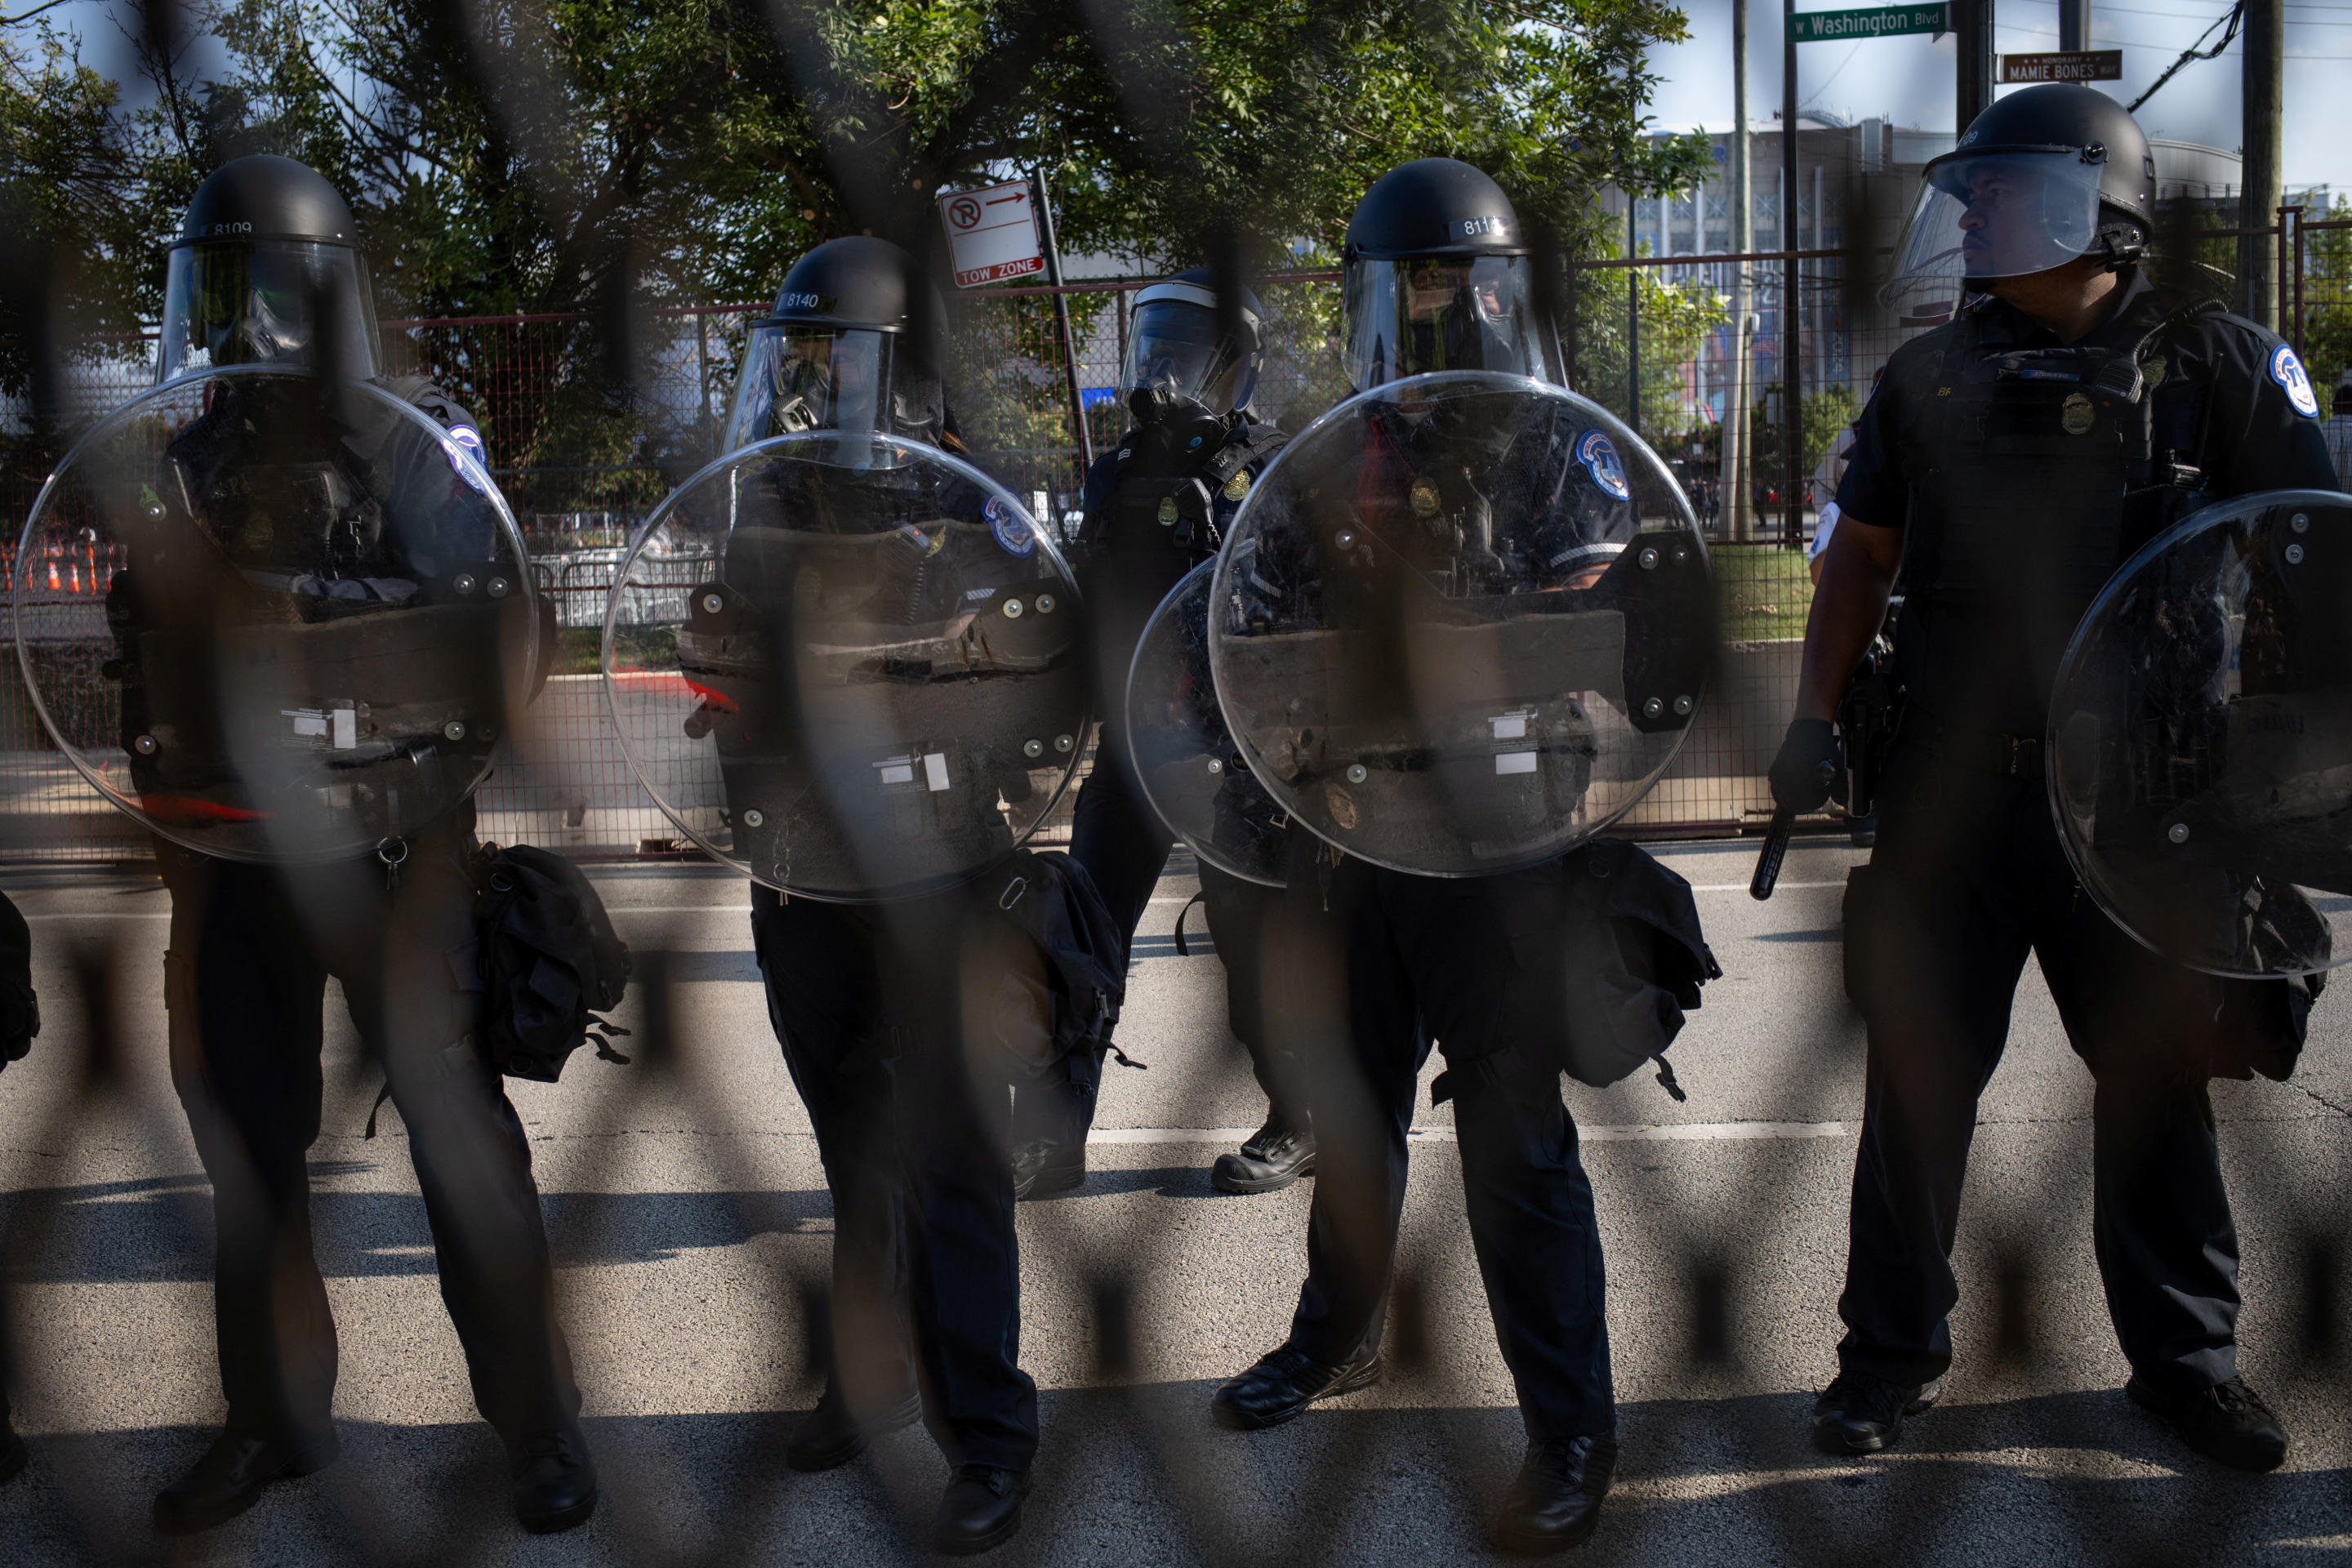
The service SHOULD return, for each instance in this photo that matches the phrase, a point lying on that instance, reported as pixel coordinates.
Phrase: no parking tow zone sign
(992, 233)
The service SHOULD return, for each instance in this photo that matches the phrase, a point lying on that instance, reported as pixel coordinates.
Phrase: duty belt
(1989, 752)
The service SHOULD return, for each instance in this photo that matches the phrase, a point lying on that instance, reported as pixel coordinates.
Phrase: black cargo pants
(1968, 878)
(1398, 963)
(902, 1025)
(251, 948)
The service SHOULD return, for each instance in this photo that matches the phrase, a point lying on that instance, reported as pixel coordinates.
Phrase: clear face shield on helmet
(1175, 347)
(1417, 314)
(297, 303)
(800, 376)
(1997, 215)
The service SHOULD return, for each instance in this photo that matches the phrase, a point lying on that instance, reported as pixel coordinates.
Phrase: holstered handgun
(1869, 717)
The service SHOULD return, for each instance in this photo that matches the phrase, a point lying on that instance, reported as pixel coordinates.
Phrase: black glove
(1810, 763)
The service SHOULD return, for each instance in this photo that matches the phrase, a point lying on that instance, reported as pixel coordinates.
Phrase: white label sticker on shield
(935, 770)
(1514, 762)
(347, 728)
(898, 771)
(306, 720)
(1509, 726)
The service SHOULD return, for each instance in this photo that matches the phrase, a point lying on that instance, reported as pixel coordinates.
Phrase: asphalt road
(690, 1223)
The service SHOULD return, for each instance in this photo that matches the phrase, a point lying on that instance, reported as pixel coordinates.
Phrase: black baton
(1775, 847)
(1776, 844)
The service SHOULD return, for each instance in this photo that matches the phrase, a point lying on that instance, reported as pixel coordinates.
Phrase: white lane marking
(746, 909)
(618, 910)
(626, 907)
(1659, 1132)
(1696, 888)
(104, 915)
(678, 908)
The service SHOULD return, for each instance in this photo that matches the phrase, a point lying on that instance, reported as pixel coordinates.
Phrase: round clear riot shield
(848, 666)
(1462, 624)
(1183, 756)
(2200, 739)
(274, 617)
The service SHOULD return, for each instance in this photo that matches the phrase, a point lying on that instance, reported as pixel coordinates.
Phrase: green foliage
(532, 155)
(2327, 307)
(1676, 320)
(1827, 412)
(73, 263)
(548, 156)
(1762, 591)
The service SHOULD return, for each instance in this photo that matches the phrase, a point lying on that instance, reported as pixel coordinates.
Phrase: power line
(2194, 17)
(2229, 26)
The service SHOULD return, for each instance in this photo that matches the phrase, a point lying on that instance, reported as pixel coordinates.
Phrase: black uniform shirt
(2002, 555)
(1101, 528)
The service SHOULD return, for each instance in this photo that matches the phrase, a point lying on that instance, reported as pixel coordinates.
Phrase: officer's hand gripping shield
(1463, 622)
(1192, 774)
(848, 667)
(2200, 739)
(273, 617)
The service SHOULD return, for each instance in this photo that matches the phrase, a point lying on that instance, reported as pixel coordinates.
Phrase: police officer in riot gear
(868, 999)
(1438, 277)
(282, 510)
(2007, 464)
(1152, 509)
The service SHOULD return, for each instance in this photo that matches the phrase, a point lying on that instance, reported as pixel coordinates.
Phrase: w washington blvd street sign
(1875, 22)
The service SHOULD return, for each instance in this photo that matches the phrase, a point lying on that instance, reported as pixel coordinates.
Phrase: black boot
(1859, 1413)
(1283, 1384)
(829, 1437)
(1043, 1167)
(14, 1454)
(228, 1479)
(2228, 1422)
(981, 1509)
(554, 1484)
(1275, 1156)
(1556, 1502)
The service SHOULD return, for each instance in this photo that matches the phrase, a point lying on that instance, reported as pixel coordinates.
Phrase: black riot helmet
(852, 345)
(267, 271)
(1183, 362)
(1439, 277)
(2040, 178)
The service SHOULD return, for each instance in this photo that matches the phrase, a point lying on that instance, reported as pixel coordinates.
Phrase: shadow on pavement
(2071, 1478)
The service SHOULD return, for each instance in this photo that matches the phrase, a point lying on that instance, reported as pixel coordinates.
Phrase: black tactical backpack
(549, 963)
(1050, 897)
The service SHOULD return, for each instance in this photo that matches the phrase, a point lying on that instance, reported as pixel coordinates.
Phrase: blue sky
(1910, 79)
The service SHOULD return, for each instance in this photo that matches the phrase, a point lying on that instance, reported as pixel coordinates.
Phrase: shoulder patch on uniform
(2288, 372)
(1238, 486)
(1599, 456)
(1011, 532)
(469, 438)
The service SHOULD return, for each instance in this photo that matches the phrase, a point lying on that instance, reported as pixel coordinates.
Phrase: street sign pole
(1734, 480)
(1792, 303)
(1062, 320)
(1972, 91)
(2264, 104)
